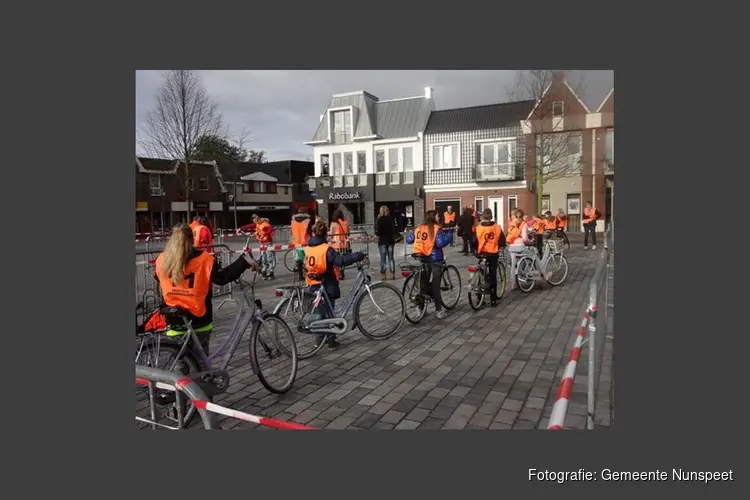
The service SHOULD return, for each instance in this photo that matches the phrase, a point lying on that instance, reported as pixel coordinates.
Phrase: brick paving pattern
(498, 368)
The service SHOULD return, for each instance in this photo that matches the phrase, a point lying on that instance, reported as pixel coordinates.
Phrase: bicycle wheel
(415, 303)
(556, 270)
(390, 310)
(290, 260)
(272, 340)
(160, 353)
(566, 241)
(502, 280)
(476, 291)
(450, 286)
(525, 274)
(295, 312)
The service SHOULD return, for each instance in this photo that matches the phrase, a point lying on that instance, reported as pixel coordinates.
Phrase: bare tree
(239, 142)
(183, 113)
(556, 154)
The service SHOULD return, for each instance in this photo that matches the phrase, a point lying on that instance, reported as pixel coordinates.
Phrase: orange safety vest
(191, 294)
(488, 238)
(423, 244)
(316, 262)
(260, 234)
(197, 235)
(449, 218)
(514, 233)
(590, 215)
(550, 225)
(339, 234)
(539, 225)
(561, 221)
(299, 232)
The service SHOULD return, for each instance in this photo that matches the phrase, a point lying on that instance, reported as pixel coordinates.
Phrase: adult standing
(466, 229)
(301, 231)
(449, 220)
(385, 230)
(590, 216)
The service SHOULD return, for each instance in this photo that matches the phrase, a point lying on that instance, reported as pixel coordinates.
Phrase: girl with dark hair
(429, 240)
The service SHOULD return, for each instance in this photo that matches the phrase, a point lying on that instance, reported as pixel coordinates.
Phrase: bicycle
(300, 303)
(479, 279)
(560, 234)
(290, 261)
(270, 339)
(529, 266)
(450, 280)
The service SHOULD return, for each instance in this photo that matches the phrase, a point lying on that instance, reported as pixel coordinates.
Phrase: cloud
(280, 109)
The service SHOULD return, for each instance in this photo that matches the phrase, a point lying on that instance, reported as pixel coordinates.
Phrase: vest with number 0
(192, 292)
(488, 238)
(423, 244)
(316, 262)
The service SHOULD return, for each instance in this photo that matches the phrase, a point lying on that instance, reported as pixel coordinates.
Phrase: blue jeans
(386, 254)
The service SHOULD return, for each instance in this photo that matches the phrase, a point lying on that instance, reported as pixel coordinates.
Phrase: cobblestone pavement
(498, 368)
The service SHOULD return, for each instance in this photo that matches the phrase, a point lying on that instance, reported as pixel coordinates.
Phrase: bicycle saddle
(174, 311)
(418, 256)
(316, 277)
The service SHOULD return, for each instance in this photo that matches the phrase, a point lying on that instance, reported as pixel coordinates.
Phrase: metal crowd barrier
(157, 379)
(593, 335)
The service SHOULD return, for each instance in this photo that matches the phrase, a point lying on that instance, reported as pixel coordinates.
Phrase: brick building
(477, 156)
(160, 193)
(581, 165)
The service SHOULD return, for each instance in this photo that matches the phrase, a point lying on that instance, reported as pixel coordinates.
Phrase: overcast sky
(280, 109)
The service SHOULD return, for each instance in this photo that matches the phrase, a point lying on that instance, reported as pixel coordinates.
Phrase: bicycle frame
(361, 284)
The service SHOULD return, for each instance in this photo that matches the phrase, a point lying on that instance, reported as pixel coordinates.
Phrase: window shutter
(479, 154)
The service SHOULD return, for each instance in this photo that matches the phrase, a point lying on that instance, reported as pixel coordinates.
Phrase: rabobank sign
(356, 195)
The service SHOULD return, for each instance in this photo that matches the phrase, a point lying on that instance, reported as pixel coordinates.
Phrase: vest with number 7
(191, 293)
(423, 244)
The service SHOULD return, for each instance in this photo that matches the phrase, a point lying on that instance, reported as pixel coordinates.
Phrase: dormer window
(341, 127)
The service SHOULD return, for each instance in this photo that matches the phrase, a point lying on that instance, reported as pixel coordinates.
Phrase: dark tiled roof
(280, 170)
(489, 116)
(157, 164)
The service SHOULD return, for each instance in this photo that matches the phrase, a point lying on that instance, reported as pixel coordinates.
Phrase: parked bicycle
(299, 304)
(416, 301)
(552, 267)
(559, 234)
(479, 280)
(271, 340)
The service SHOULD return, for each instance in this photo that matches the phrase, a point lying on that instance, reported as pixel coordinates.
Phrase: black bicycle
(479, 281)
(416, 301)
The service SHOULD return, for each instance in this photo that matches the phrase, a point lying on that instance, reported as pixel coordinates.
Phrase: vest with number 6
(316, 262)
(191, 293)
(488, 238)
(423, 244)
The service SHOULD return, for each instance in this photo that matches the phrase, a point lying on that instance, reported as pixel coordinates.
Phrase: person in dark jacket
(431, 242)
(319, 274)
(465, 229)
(385, 229)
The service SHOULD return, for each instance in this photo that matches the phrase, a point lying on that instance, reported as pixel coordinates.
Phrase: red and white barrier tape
(560, 409)
(221, 410)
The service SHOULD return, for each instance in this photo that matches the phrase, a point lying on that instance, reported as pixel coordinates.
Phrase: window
(496, 153)
(348, 163)
(574, 153)
(338, 172)
(545, 203)
(445, 156)
(203, 183)
(395, 177)
(154, 183)
(609, 145)
(286, 189)
(408, 163)
(191, 184)
(341, 125)
(361, 162)
(393, 160)
(479, 204)
(512, 203)
(558, 108)
(245, 187)
(380, 161)
(263, 187)
(325, 165)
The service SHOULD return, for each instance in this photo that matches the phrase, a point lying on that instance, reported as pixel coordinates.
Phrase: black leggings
(589, 229)
(434, 271)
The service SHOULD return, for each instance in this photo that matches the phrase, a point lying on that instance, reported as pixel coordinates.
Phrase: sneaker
(593, 247)
(333, 343)
(441, 314)
(585, 248)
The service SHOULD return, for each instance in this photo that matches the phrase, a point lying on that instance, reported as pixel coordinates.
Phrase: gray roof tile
(490, 116)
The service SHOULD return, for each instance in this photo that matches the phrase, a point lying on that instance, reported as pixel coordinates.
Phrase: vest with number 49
(191, 293)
